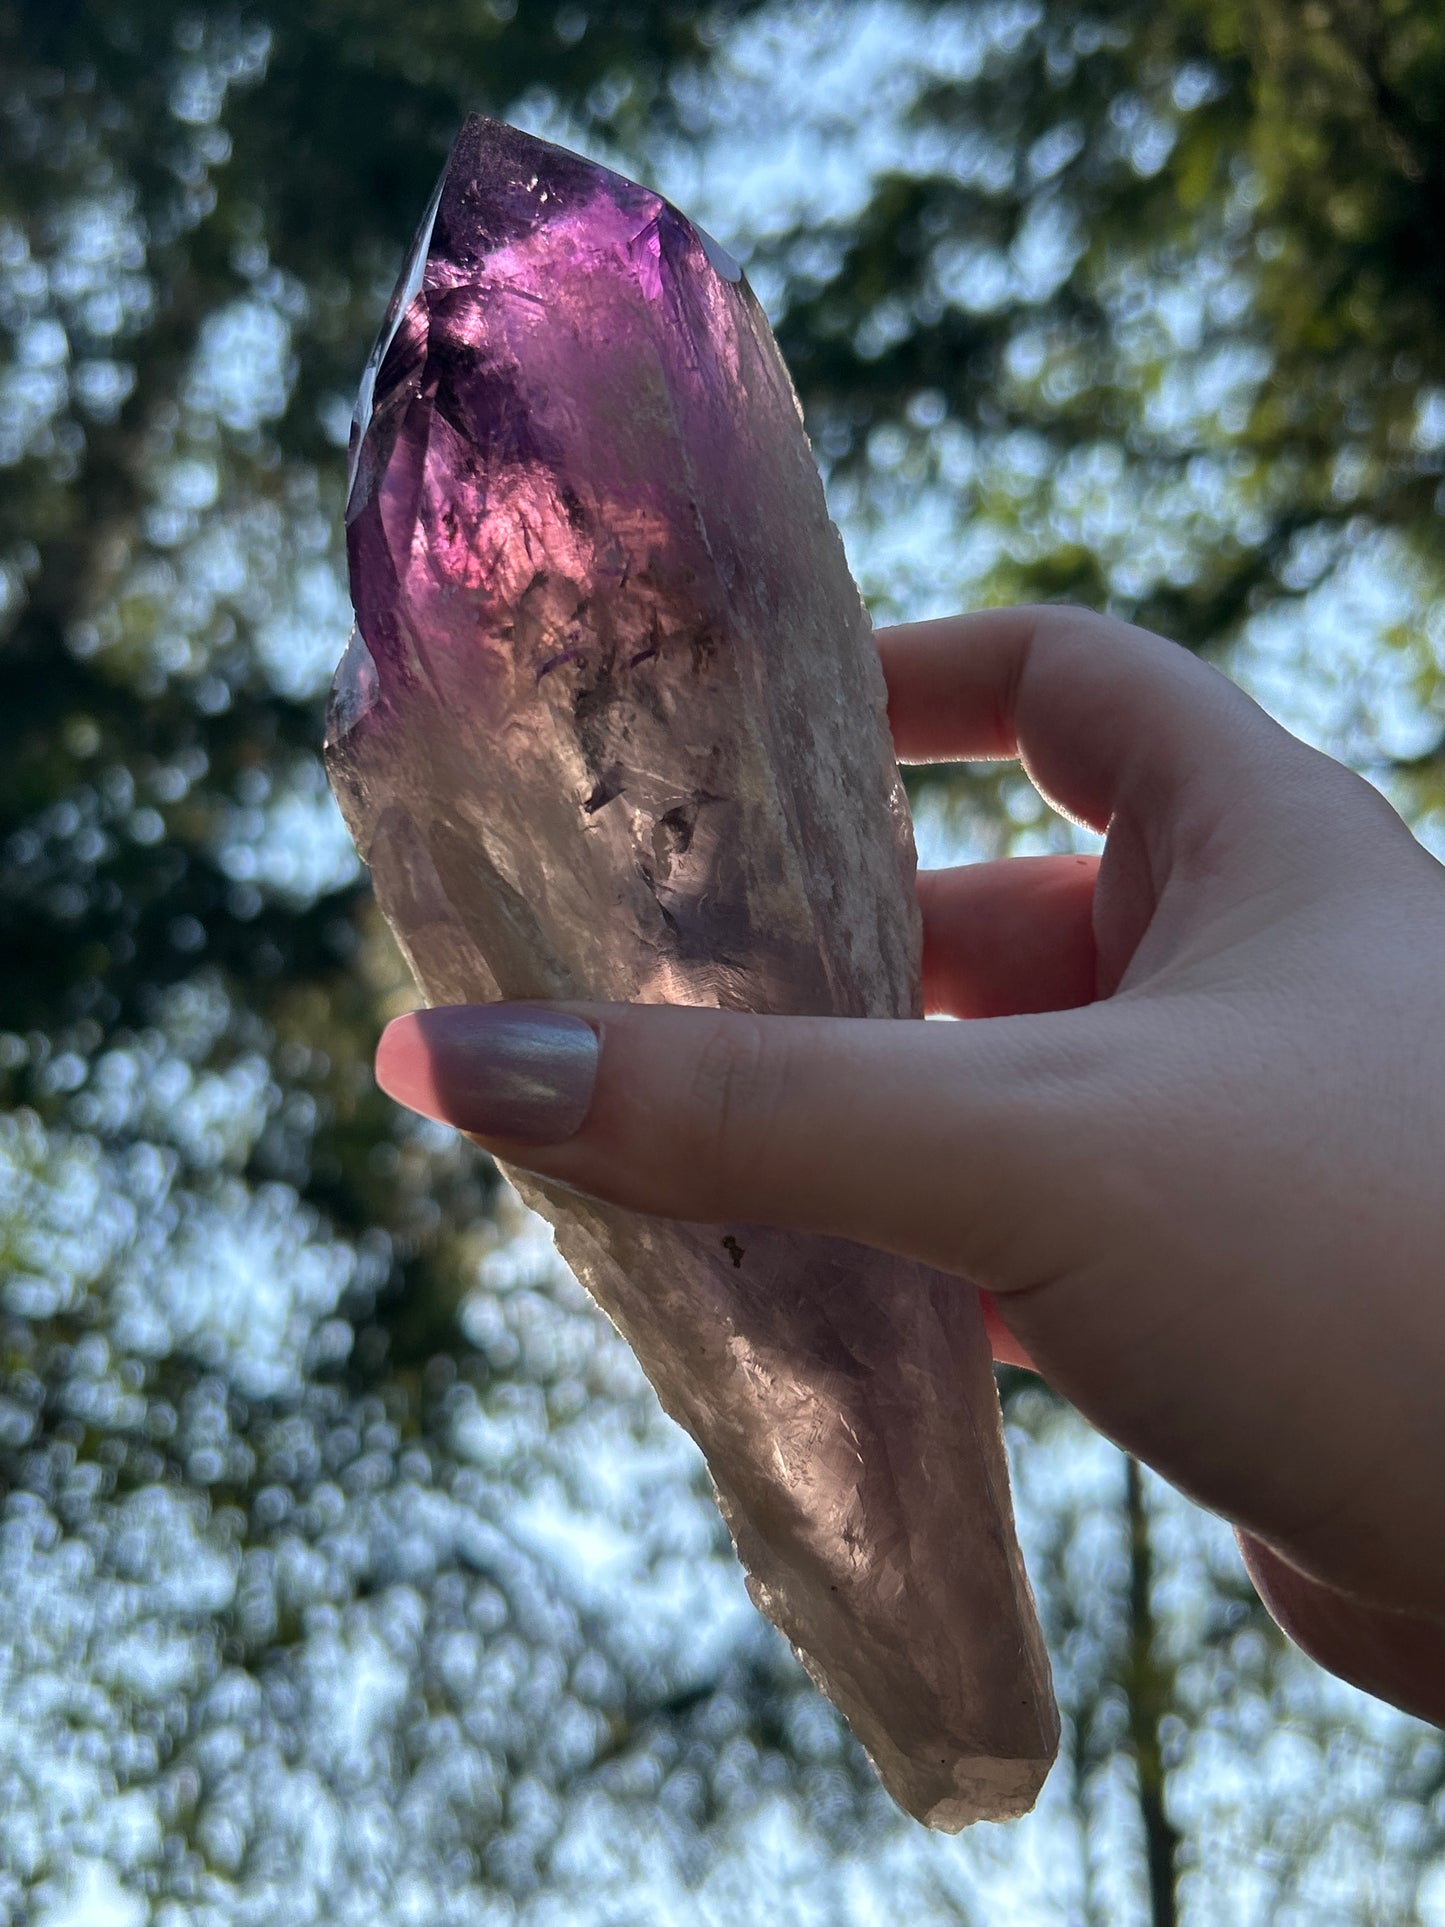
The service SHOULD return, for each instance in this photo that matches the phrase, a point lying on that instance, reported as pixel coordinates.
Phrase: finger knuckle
(738, 1086)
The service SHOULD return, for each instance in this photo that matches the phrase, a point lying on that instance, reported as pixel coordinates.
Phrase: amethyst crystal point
(612, 726)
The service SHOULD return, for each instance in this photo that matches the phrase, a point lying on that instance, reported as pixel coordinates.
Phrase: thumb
(965, 1145)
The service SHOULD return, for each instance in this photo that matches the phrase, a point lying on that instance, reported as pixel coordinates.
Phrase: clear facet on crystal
(613, 727)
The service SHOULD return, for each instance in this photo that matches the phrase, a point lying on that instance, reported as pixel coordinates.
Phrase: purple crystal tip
(542, 300)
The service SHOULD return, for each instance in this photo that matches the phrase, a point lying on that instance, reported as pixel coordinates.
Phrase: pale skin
(1190, 1139)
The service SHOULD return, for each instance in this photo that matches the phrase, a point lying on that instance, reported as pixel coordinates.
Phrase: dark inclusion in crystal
(612, 726)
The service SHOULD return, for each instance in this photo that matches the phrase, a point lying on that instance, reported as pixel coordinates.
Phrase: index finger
(1101, 713)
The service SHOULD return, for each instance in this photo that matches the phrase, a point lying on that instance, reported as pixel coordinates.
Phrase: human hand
(1190, 1138)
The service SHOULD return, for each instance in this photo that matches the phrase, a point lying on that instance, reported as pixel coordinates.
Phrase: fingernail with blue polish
(518, 1071)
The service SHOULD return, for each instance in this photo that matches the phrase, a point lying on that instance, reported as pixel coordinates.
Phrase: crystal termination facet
(612, 727)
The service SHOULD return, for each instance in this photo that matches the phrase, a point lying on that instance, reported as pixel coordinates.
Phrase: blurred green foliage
(1142, 306)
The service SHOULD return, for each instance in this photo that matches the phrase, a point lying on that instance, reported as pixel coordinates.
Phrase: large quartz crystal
(612, 726)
